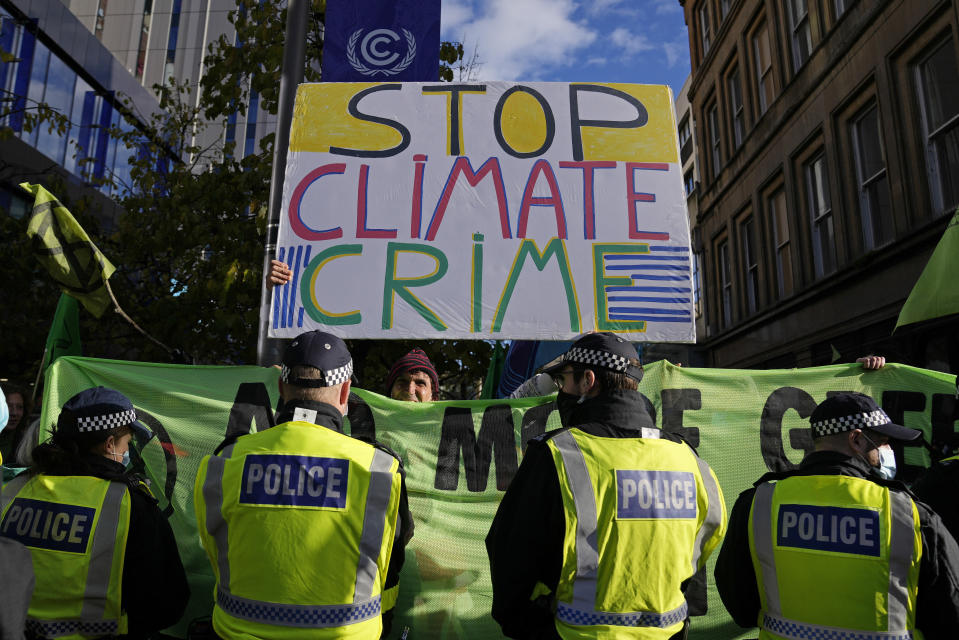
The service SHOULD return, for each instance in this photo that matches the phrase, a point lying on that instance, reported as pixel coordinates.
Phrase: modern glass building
(50, 59)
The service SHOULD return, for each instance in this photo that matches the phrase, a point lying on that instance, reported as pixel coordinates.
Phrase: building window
(736, 111)
(840, 6)
(779, 219)
(689, 182)
(698, 284)
(939, 102)
(764, 67)
(874, 204)
(168, 68)
(725, 284)
(747, 239)
(820, 216)
(684, 132)
(251, 115)
(798, 11)
(723, 9)
(144, 38)
(714, 139)
(704, 26)
(685, 140)
(101, 19)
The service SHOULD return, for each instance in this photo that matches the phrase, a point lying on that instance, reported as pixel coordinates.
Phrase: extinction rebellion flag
(379, 40)
(68, 253)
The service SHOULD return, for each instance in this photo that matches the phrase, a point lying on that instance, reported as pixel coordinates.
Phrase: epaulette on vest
(382, 447)
(543, 437)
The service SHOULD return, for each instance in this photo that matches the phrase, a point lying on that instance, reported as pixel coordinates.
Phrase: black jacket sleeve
(937, 488)
(155, 590)
(937, 602)
(520, 555)
(735, 578)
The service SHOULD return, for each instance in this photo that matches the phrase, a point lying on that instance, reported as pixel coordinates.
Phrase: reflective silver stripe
(11, 489)
(60, 628)
(714, 512)
(587, 551)
(794, 630)
(101, 554)
(297, 615)
(571, 615)
(763, 543)
(374, 523)
(901, 550)
(215, 524)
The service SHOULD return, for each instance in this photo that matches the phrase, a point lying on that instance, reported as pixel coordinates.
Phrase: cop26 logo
(372, 54)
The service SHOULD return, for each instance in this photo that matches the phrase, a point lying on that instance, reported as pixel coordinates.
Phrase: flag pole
(294, 57)
(116, 307)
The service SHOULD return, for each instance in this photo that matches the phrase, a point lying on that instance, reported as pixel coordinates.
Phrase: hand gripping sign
(493, 210)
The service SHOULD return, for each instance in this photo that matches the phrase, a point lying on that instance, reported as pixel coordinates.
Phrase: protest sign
(460, 456)
(497, 210)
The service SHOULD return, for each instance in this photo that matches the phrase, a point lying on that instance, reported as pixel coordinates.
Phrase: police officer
(836, 548)
(105, 558)
(607, 518)
(300, 521)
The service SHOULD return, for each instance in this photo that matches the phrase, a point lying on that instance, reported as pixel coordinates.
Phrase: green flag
(64, 336)
(68, 253)
(936, 294)
(494, 372)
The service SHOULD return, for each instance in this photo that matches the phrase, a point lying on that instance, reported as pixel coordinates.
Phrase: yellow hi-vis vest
(642, 516)
(298, 522)
(76, 528)
(835, 557)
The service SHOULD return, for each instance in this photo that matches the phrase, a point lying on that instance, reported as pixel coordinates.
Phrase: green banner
(935, 294)
(460, 456)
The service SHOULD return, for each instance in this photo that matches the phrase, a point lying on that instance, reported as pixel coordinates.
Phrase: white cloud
(453, 15)
(677, 51)
(601, 6)
(629, 43)
(597, 61)
(520, 39)
(664, 7)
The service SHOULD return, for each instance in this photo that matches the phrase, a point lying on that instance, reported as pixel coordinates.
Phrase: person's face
(15, 406)
(118, 445)
(412, 386)
(870, 444)
(565, 381)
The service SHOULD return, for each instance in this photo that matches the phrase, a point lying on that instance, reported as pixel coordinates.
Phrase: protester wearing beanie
(413, 379)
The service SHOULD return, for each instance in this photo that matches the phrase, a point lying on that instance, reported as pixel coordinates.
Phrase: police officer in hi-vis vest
(608, 518)
(104, 556)
(300, 521)
(837, 548)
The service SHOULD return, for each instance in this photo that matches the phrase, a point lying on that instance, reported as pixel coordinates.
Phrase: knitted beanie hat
(415, 360)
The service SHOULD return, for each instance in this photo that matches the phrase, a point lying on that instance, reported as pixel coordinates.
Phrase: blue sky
(641, 41)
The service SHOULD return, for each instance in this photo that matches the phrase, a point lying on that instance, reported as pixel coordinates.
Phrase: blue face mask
(887, 460)
(124, 459)
(887, 463)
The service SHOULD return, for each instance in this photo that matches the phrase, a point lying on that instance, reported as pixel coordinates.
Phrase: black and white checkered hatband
(331, 377)
(104, 421)
(848, 423)
(591, 357)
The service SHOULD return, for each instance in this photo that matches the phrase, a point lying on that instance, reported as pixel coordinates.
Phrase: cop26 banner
(485, 211)
(460, 456)
(381, 40)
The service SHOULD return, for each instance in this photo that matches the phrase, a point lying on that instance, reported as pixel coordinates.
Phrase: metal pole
(268, 350)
